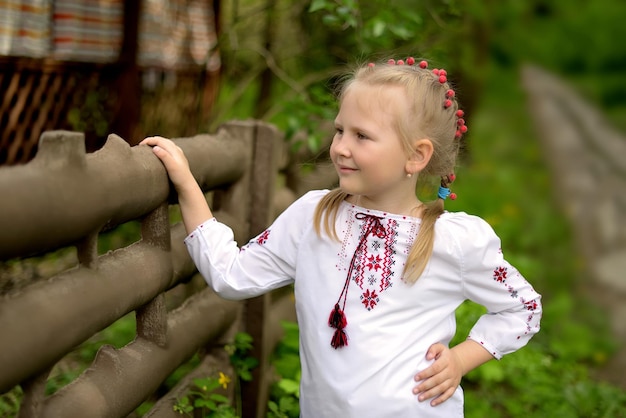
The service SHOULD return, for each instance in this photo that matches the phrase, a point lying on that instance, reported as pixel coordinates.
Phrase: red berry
(410, 60)
(423, 64)
(450, 93)
(435, 71)
(460, 113)
(452, 196)
(447, 103)
(442, 79)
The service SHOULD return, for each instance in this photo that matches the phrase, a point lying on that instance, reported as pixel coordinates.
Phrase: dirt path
(588, 161)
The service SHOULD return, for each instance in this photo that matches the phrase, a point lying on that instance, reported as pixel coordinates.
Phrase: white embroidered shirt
(390, 323)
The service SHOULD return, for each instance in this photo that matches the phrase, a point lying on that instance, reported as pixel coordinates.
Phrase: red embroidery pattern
(531, 305)
(369, 299)
(262, 239)
(500, 275)
(373, 271)
(374, 263)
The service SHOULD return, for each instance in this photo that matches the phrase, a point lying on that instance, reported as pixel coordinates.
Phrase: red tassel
(339, 340)
(337, 319)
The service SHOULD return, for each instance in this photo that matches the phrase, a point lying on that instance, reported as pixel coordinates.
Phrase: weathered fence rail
(65, 197)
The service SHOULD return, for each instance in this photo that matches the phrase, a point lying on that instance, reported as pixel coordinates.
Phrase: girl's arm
(193, 205)
(265, 263)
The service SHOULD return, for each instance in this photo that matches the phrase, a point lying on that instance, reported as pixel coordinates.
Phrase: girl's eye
(361, 136)
(339, 131)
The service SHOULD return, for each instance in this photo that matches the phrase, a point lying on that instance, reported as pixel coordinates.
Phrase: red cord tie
(337, 318)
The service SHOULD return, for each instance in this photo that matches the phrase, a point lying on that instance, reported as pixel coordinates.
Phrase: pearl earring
(409, 175)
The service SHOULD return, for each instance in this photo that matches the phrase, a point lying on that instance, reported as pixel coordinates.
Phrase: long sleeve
(513, 306)
(266, 262)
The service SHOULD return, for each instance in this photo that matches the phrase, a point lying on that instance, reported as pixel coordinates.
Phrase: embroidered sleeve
(513, 306)
(265, 263)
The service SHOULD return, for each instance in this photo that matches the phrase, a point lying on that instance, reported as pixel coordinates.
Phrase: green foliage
(307, 114)
(89, 114)
(10, 402)
(285, 392)
(306, 52)
(574, 38)
(549, 377)
(238, 354)
(202, 398)
(119, 237)
(118, 334)
(374, 26)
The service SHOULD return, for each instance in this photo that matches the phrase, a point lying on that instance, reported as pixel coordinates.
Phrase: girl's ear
(419, 159)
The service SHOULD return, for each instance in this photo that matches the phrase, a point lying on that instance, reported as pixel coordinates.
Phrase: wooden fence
(66, 197)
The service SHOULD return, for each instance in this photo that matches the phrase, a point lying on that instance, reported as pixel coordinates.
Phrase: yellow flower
(224, 380)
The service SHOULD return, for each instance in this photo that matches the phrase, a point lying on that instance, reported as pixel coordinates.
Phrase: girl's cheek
(333, 150)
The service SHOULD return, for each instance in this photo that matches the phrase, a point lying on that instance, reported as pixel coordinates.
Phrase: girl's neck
(411, 207)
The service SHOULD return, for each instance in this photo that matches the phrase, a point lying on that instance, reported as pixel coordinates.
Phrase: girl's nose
(340, 147)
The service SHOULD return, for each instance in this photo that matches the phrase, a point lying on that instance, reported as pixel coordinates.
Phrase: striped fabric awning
(87, 30)
(25, 27)
(173, 34)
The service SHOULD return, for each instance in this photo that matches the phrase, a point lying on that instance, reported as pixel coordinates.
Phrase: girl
(377, 274)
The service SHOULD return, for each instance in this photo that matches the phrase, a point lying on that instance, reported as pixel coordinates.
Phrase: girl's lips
(346, 170)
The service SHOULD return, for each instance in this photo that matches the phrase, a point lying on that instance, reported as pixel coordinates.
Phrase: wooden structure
(66, 197)
(51, 90)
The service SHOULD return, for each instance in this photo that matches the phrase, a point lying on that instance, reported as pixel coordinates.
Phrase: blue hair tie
(443, 193)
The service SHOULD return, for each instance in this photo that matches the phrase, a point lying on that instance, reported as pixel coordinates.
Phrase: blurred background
(544, 89)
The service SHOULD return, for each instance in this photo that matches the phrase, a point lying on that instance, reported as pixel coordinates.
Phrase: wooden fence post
(262, 183)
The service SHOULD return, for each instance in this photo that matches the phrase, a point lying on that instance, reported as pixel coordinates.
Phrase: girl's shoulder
(313, 196)
(469, 239)
(465, 227)
(305, 205)
(308, 200)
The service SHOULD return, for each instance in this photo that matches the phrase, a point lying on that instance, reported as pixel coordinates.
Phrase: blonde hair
(426, 117)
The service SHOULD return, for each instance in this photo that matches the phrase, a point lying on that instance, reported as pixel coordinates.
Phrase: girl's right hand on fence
(173, 159)
(193, 204)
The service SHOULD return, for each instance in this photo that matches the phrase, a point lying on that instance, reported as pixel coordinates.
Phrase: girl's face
(367, 151)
